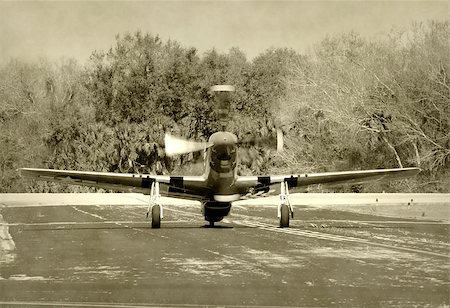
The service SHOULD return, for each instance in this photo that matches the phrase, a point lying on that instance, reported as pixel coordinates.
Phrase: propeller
(280, 141)
(176, 145)
(265, 141)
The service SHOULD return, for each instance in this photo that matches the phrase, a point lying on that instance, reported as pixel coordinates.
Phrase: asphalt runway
(101, 255)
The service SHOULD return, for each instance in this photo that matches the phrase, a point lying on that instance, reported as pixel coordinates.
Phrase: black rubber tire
(285, 215)
(156, 216)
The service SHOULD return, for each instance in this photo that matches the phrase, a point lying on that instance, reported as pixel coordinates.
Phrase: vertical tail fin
(222, 95)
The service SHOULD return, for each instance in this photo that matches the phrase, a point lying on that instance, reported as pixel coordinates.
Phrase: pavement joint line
(88, 213)
(318, 235)
(215, 252)
(103, 218)
(307, 233)
(380, 221)
(64, 224)
(338, 238)
(14, 224)
(184, 212)
(440, 222)
(311, 234)
(227, 257)
(121, 305)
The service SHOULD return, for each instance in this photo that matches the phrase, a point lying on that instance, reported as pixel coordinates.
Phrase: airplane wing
(186, 187)
(262, 183)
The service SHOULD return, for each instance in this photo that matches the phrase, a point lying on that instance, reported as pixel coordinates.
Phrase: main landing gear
(155, 206)
(285, 210)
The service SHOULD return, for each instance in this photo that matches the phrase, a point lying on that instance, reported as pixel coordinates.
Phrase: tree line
(351, 103)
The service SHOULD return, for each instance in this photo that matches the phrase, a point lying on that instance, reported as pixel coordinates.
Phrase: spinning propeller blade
(267, 141)
(280, 141)
(175, 145)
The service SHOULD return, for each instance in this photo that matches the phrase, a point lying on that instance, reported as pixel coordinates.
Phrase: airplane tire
(284, 219)
(156, 216)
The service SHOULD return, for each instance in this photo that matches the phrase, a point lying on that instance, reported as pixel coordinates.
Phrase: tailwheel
(156, 216)
(285, 215)
(211, 224)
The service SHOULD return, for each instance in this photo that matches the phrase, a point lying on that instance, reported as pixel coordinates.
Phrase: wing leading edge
(262, 183)
(195, 187)
(187, 187)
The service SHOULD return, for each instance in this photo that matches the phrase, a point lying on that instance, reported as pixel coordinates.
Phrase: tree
(31, 97)
(380, 99)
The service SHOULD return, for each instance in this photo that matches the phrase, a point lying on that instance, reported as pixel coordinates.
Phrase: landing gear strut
(285, 210)
(155, 206)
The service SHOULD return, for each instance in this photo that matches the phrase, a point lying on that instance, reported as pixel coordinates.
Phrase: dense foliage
(376, 104)
(352, 104)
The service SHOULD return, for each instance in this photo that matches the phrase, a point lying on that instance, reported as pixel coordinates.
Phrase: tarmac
(98, 250)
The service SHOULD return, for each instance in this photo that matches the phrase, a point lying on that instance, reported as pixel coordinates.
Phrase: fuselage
(221, 171)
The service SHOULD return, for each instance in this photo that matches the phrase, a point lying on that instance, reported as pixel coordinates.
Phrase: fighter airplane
(220, 183)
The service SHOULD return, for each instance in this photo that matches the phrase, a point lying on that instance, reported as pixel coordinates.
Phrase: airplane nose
(223, 138)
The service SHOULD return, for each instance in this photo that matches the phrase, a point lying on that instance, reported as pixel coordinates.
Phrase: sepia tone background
(75, 29)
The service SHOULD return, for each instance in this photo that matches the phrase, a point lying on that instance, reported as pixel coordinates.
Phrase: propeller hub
(223, 138)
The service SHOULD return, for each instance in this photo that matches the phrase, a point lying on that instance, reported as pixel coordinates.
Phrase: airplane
(220, 185)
